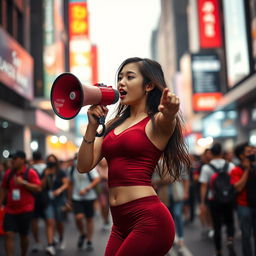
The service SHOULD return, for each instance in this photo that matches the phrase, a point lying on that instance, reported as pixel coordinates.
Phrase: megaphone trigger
(101, 121)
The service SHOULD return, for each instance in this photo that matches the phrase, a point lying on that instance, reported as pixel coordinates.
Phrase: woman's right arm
(89, 153)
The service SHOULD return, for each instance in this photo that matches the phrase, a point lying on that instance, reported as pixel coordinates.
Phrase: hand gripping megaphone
(68, 96)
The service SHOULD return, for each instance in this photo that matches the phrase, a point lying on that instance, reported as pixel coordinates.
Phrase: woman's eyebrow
(128, 72)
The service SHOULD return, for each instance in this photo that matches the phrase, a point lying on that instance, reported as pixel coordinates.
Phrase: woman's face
(51, 159)
(130, 85)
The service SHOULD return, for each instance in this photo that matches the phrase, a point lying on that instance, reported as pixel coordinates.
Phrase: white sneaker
(89, 246)
(62, 245)
(36, 247)
(106, 227)
(211, 233)
(50, 250)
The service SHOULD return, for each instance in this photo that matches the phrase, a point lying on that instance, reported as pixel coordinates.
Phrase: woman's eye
(130, 77)
(119, 78)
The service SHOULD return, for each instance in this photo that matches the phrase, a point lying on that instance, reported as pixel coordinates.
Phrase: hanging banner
(80, 45)
(209, 24)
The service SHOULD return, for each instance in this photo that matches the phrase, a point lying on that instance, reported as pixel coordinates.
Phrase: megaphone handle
(101, 121)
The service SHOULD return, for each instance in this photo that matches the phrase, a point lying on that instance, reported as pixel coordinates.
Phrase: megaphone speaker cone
(66, 96)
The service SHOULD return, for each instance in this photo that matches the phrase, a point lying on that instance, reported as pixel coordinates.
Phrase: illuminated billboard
(209, 24)
(80, 45)
(236, 41)
(206, 68)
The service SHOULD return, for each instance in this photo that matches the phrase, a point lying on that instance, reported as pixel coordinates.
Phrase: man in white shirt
(82, 196)
(221, 213)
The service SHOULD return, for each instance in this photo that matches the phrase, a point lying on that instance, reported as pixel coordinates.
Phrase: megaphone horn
(68, 95)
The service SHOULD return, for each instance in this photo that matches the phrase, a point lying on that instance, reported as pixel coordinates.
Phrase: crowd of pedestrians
(47, 190)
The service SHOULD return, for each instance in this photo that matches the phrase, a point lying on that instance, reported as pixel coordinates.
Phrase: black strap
(218, 170)
(90, 177)
(25, 177)
(72, 172)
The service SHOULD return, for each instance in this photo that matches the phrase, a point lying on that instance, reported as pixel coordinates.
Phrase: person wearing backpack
(211, 176)
(243, 176)
(39, 165)
(18, 186)
(82, 197)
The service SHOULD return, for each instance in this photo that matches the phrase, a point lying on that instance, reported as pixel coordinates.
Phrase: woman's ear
(149, 87)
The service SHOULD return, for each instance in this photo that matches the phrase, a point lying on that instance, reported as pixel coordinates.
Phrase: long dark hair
(175, 156)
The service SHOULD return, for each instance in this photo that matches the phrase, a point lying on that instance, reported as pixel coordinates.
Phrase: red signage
(206, 101)
(209, 24)
(78, 18)
(79, 44)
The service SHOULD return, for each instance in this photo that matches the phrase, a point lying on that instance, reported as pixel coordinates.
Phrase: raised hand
(169, 104)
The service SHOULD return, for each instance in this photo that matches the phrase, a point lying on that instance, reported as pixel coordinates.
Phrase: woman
(55, 184)
(146, 126)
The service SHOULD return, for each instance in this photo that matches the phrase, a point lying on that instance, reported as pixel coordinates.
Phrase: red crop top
(131, 156)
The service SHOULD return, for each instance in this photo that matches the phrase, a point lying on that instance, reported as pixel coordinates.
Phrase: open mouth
(122, 93)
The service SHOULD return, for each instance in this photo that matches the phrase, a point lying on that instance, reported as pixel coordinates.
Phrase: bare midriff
(123, 194)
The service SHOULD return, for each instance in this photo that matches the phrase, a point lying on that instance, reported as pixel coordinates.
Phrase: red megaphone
(68, 95)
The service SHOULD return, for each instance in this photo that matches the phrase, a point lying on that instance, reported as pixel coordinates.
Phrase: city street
(196, 245)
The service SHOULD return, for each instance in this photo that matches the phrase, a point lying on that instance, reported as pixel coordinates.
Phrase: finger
(174, 99)
(160, 108)
(164, 95)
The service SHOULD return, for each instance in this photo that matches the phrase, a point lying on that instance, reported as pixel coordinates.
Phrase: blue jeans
(176, 211)
(247, 220)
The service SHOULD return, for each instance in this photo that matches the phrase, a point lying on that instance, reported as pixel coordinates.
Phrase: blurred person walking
(103, 193)
(147, 125)
(243, 176)
(205, 214)
(17, 188)
(82, 197)
(55, 185)
(38, 164)
(178, 194)
(222, 212)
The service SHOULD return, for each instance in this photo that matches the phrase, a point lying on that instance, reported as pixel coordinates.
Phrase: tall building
(215, 77)
(33, 51)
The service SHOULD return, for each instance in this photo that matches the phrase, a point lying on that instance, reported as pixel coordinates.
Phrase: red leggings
(141, 227)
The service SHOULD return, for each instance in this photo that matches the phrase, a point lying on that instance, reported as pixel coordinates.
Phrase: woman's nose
(121, 81)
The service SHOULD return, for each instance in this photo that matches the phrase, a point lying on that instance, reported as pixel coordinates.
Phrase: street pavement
(196, 245)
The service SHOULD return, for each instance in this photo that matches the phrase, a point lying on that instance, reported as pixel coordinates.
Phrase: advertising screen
(235, 41)
(206, 81)
(80, 45)
(253, 30)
